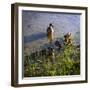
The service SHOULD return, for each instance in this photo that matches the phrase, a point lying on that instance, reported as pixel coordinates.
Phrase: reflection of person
(50, 33)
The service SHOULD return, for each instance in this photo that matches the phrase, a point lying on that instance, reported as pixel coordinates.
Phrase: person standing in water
(50, 33)
(50, 37)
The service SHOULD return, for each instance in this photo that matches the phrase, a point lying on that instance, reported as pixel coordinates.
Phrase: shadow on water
(34, 37)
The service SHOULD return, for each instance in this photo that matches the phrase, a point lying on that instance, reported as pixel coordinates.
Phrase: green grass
(67, 62)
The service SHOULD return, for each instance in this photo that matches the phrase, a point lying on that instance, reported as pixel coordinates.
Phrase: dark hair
(50, 24)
